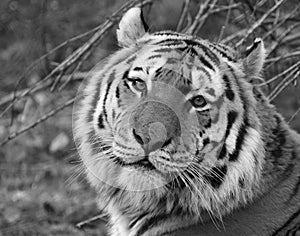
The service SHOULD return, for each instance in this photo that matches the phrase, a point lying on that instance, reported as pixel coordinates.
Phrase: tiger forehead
(185, 78)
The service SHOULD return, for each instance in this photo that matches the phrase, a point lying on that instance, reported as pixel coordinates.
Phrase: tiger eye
(198, 101)
(139, 85)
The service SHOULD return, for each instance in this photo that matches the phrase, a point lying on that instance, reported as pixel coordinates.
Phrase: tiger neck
(275, 211)
(281, 146)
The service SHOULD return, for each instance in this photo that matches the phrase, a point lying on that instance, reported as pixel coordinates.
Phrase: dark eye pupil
(199, 101)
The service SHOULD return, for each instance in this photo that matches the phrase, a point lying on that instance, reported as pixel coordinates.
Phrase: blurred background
(47, 47)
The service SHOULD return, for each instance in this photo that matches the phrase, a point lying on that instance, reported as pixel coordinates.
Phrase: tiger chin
(173, 132)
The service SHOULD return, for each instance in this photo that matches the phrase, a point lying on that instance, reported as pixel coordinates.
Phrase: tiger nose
(155, 138)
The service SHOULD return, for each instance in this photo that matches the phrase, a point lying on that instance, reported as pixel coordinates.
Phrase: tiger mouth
(144, 163)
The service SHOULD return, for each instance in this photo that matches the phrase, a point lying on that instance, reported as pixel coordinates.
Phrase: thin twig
(57, 80)
(292, 38)
(231, 37)
(183, 14)
(259, 22)
(76, 76)
(40, 120)
(276, 59)
(98, 217)
(226, 8)
(69, 61)
(284, 20)
(294, 115)
(284, 83)
(79, 64)
(226, 22)
(281, 74)
(202, 8)
(205, 16)
(36, 62)
(279, 39)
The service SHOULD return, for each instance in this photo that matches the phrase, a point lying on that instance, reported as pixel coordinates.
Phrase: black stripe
(124, 78)
(125, 75)
(100, 122)
(228, 92)
(118, 93)
(169, 41)
(154, 57)
(205, 141)
(223, 53)
(296, 214)
(105, 99)
(239, 141)
(223, 152)
(231, 118)
(125, 84)
(152, 222)
(206, 63)
(243, 129)
(168, 33)
(138, 68)
(190, 44)
(163, 50)
(158, 72)
(205, 49)
(172, 45)
(211, 55)
(216, 176)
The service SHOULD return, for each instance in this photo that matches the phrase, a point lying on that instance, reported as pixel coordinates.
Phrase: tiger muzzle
(154, 126)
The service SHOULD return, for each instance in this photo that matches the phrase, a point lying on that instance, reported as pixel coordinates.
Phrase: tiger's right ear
(131, 27)
(255, 58)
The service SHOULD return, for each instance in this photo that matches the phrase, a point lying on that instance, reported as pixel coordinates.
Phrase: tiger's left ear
(255, 58)
(131, 27)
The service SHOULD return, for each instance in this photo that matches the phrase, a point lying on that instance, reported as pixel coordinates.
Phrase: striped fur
(212, 160)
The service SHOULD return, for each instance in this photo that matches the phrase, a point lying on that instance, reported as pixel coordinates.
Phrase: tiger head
(170, 115)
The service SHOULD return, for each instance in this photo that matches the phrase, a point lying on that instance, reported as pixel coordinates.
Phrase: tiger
(176, 138)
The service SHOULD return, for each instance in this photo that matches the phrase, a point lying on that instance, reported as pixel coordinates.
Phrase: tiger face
(168, 116)
(171, 114)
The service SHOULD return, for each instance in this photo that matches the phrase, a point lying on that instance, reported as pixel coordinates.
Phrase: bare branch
(259, 22)
(283, 35)
(226, 22)
(40, 120)
(280, 23)
(202, 14)
(69, 61)
(97, 217)
(294, 115)
(75, 76)
(288, 55)
(226, 8)
(281, 74)
(293, 75)
(183, 14)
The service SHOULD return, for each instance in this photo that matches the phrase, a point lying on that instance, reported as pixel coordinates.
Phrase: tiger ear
(131, 27)
(255, 58)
